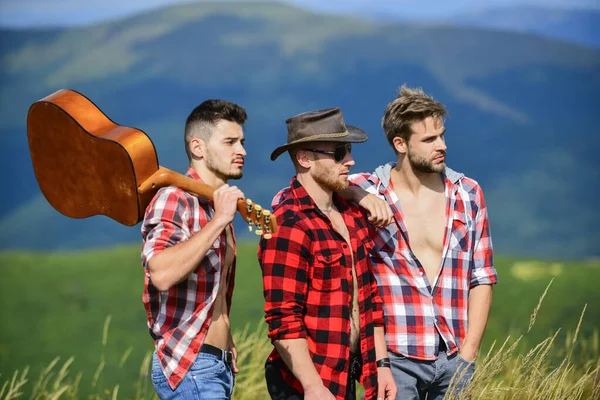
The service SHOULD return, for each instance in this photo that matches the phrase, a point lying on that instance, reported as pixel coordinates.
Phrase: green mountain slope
(55, 304)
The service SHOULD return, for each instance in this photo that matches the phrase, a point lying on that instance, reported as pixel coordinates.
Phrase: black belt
(226, 356)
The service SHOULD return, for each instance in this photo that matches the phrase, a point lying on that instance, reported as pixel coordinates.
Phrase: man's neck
(207, 175)
(321, 196)
(404, 176)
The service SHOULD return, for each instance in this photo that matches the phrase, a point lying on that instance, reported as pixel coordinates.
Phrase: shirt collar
(191, 172)
(384, 173)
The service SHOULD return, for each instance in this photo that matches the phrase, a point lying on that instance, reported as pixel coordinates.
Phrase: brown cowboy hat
(319, 126)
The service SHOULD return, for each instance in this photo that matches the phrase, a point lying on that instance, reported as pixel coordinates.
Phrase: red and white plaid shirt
(417, 311)
(307, 279)
(178, 319)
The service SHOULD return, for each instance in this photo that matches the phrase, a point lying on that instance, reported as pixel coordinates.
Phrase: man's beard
(421, 164)
(326, 179)
(218, 167)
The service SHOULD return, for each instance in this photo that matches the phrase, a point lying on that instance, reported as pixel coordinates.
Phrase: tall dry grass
(57, 381)
(547, 371)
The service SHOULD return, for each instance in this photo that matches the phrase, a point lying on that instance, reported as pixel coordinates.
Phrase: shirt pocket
(326, 271)
(460, 235)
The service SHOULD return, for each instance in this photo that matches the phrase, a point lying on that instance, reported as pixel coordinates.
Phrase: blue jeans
(209, 377)
(416, 379)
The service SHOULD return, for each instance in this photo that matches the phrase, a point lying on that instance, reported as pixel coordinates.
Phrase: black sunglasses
(338, 154)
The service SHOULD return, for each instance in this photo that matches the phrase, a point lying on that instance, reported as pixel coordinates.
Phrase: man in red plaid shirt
(189, 260)
(434, 263)
(322, 305)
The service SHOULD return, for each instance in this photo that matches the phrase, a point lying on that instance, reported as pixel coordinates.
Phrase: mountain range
(523, 107)
(575, 22)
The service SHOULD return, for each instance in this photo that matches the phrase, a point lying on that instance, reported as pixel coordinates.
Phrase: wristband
(384, 363)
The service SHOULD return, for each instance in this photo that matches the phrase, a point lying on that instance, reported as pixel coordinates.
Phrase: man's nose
(241, 150)
(441, 145)
(349, 160)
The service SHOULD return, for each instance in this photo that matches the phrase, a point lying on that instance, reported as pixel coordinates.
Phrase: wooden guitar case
(87, 165)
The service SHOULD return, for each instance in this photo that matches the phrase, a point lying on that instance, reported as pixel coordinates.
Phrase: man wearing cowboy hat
(322, 305)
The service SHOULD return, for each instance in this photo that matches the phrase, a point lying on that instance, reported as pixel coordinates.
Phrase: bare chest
(339, 225)
(425, 221)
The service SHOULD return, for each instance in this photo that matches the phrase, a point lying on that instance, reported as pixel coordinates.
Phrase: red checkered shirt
(178, 318)
(307, 279)
(417, 312)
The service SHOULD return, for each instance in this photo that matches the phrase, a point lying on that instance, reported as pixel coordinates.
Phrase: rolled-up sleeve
(284, 262)
(365, 181)
(165, 223)
(378, 318)
(375, 262)
(482, 268)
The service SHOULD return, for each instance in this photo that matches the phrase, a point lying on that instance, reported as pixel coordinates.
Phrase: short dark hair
(204, 117)
(411, 105)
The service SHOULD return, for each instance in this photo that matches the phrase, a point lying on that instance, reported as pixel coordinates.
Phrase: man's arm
(231, 347)
(294, 353)
(284, 261)
(386, 386)
(483, 276)
(380, 345)
(380, 213)
(175, 263)
(480, 300)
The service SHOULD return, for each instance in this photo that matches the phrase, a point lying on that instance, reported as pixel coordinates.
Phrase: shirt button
(421, 273)
(345, 246)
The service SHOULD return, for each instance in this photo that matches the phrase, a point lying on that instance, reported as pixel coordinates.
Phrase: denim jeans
(208, 378)
(416, 379)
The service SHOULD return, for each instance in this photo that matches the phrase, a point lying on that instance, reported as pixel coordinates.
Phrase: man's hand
(379, 210)
(380, 213)
(468, 353)
(318, 392)
(234, 351)
(225, 198)
(386, 387)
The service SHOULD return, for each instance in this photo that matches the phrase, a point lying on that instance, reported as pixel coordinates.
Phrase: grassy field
(87, 305)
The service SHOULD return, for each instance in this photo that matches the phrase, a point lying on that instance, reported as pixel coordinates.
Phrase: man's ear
(303, 159)
(400, 145)
(197, 148)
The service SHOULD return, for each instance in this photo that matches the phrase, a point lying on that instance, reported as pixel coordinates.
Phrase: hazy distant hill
(576, 25)
(524, 110)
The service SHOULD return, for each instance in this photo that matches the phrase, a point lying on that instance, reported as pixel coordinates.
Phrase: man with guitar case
(86, 165)
(189, 257)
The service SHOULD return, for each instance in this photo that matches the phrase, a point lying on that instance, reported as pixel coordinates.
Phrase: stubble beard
(422, 165)
(219, 168)
(326, 179)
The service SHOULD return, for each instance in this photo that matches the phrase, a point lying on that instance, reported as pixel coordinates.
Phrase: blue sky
(27, 13)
